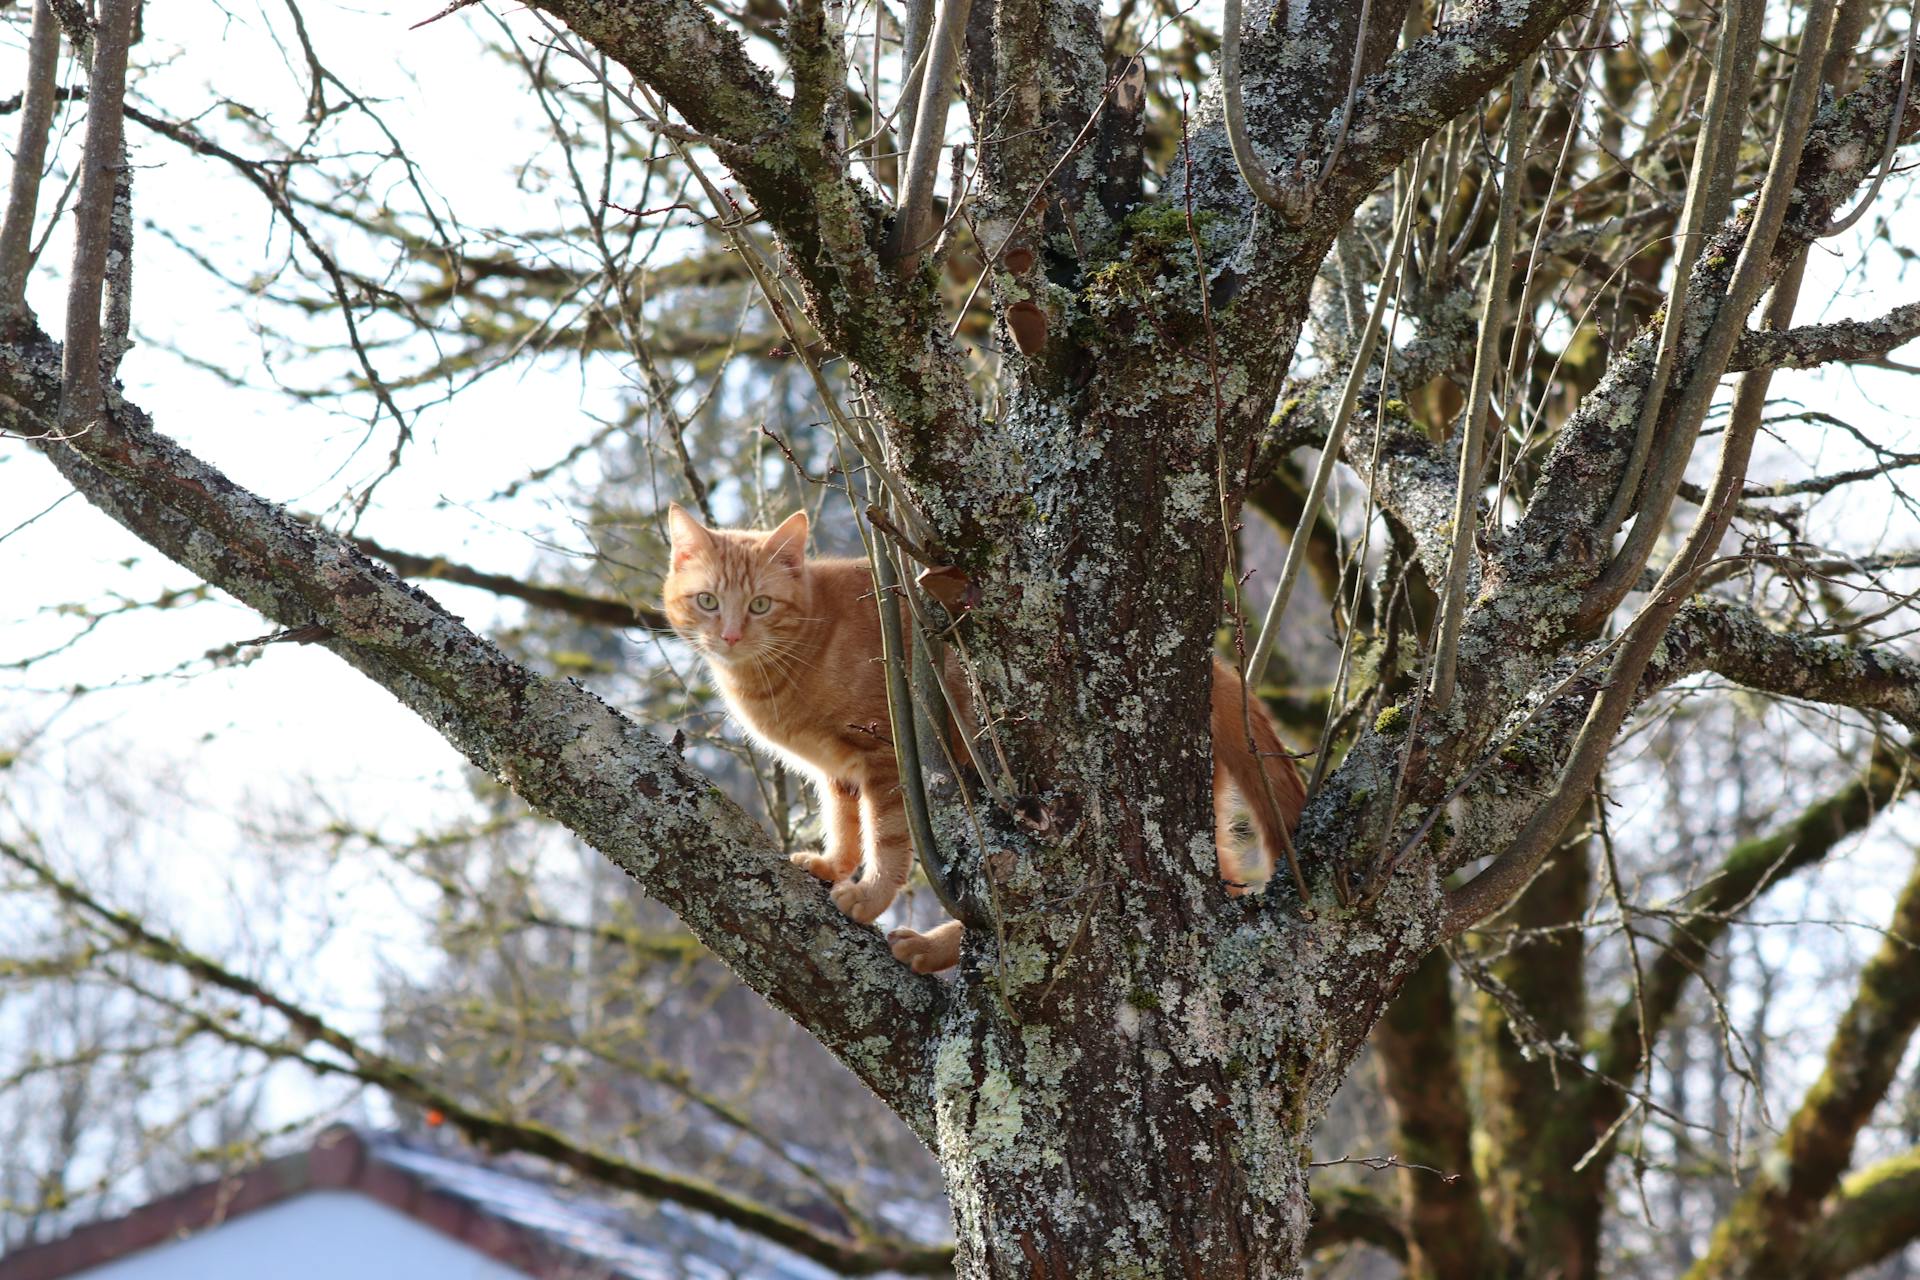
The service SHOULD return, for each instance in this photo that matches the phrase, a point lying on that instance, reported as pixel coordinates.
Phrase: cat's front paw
(824, 865)
(863, 900)
(928, 952)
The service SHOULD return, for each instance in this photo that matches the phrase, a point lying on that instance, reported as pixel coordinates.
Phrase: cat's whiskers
(784, 661)
(790, 652)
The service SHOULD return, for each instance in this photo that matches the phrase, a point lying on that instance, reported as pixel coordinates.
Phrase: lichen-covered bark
(1537, 572)
(1143, 1106)
(1123, 1077)
(1817, 344)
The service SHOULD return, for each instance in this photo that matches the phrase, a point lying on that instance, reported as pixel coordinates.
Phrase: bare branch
(1504, 876)
(600, 611)
(1713, 162)
(829, 225)
(1291, 198)
(1362, 360)
(911, 226)
(1486, 357)
(1893, 127)
(29, 157)
(82, 395)
(1750, 273)
(1430, 82)
(1735, 642)
(1702, 918)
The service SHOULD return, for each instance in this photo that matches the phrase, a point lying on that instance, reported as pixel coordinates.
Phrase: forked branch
(82, 392)
(29, 157)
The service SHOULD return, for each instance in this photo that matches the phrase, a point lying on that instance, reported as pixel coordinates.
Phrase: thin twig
(1330, 451)
(1893, 127)
(1707, 159)
(1486, 357)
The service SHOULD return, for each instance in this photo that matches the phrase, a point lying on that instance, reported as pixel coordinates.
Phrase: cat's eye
(707, 600)
(759, 604)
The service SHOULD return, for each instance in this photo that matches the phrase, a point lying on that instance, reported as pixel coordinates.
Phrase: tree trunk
(1159, 1122)
(1128, 1071)
(1116, 1145)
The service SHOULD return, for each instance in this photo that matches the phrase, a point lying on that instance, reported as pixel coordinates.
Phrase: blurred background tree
(1585, 1085)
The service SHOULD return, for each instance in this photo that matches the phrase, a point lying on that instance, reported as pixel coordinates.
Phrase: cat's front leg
(889, 852)
(840, 819)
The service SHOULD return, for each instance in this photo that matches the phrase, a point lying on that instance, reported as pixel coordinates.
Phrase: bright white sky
(224, 746)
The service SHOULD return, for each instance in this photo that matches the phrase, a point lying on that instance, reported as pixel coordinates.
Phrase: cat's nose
(731, 637)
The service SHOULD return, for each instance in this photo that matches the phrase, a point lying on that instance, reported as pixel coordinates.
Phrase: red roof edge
(334, 1160)
(339, 1159)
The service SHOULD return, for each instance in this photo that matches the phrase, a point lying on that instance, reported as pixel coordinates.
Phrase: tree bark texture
(1124, 1076)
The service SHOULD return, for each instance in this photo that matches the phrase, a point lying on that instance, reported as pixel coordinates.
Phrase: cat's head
(739, 595)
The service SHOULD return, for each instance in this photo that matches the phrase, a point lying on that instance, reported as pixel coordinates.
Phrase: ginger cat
(794, 645)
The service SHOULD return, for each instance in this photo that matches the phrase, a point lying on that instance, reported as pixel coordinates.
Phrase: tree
(1125, 1074)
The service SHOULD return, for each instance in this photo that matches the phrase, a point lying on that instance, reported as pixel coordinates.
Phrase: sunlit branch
(82, 393)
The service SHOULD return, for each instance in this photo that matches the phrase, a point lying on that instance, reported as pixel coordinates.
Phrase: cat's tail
(1265, 776)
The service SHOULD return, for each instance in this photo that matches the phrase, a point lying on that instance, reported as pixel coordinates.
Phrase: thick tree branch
(1735, 642)
(698, 64)
(1811, 170)
(1875, 1213)
(82, 393)
(583, 606)
(619, 787)
(1818, 344)
(1430, 82)
(1540, 555)
(830, 226)
(29, 155)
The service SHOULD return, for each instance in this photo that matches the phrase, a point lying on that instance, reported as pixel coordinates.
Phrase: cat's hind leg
(883, 815)
(929, 952)
(840, 818)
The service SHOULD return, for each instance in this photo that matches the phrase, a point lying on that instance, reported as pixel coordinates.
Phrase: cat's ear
(787, 545)
(690, 537)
